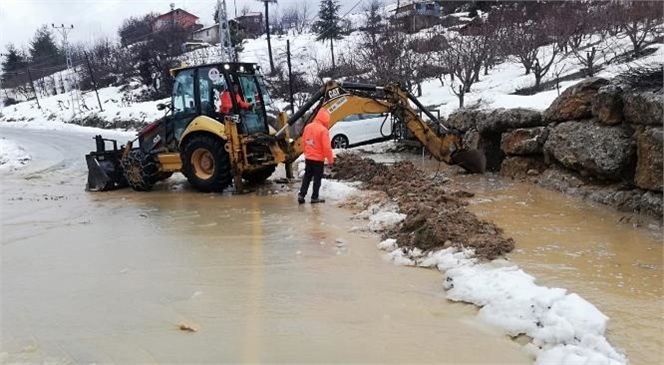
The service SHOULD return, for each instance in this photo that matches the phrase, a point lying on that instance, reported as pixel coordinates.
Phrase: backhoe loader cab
(216, 110)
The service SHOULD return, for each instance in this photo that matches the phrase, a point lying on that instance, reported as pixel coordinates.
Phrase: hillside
(311, 60)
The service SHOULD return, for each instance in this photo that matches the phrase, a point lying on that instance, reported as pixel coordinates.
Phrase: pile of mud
(436, 218)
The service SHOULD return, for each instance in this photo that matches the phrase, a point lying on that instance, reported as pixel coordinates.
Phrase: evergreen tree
(14, 61)
(373, 20)
(43, 51)
(327, 26)
(136, 28)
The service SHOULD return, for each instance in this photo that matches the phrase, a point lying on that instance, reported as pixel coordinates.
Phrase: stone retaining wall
(597, 140)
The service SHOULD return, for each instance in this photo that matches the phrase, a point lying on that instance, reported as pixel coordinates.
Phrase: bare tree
(296, 18)
(641, 19)
(464, 58)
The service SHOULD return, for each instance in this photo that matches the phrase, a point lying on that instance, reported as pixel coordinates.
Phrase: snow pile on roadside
(564, 328)
(12, 156)
(335, 190)
(329, 189)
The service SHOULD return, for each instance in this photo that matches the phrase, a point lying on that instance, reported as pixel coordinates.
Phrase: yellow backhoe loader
(215, 150)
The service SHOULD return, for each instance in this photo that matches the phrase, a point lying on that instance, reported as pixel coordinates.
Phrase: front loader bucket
(99, 175)
(104, 169)
(473, 161)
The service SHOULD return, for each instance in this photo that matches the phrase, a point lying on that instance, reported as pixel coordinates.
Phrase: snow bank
(564, 328)
(329, 189)
(56, 109)
(12, 156)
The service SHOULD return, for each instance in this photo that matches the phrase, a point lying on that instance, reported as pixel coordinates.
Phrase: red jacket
(316, 138)
(226, 104)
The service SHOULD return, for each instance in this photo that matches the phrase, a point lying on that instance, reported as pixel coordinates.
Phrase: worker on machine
(317, 148)
(226, 103)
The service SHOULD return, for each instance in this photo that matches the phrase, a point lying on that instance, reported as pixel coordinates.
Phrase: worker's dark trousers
(312, 170)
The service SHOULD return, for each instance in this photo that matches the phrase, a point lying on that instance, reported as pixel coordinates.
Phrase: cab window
(254, 118)
(183, 93)
(211, 85)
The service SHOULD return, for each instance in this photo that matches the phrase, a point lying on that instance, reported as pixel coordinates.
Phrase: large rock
(650, 159)
(465, 119)
(607, 105)
(524, 141)
(501, 120)
(643, 108)
(494, 121)
(592, 149)
(521, 167)
(575, 102)
(614, 195)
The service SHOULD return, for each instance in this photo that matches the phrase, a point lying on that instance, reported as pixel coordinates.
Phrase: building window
(256, 20)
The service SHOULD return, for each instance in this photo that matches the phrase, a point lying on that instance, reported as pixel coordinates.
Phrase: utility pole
(227, 54)
(32, 84)
(94, 82)
(290, 77)
(267, 30)
(70, 77)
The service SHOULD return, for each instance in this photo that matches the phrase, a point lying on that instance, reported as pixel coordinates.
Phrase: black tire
(164, 175)
(140, 170)
(259, 175)
(340, 141)
(206, 164)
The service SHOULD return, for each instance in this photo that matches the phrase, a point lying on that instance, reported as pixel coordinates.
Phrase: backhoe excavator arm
(345, 99)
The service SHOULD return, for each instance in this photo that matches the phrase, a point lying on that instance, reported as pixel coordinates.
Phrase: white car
(360, 128)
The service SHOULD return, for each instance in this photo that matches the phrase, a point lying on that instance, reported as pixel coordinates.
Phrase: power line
(64, 31)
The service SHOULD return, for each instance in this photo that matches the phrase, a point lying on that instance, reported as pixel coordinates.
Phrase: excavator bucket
(473, 161)
(104, 169)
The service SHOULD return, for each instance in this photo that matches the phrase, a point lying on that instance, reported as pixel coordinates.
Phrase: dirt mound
(436, 218)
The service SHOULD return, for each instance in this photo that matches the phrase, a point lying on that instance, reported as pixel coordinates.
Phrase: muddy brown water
(110, 277)
(612, 259)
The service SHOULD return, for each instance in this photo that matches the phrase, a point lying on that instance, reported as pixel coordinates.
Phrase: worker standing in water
(317, 148)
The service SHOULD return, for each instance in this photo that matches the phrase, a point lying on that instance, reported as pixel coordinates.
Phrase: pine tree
(327, 26)
(14, 61)
(373, 21)
(43, 51)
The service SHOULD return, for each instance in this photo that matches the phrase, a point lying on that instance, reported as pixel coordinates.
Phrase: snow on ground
(12, 156)
(563, 327)
(56, 109)
(329, 189)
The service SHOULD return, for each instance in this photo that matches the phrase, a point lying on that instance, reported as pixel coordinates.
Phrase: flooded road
(612, 259)
(110, 277)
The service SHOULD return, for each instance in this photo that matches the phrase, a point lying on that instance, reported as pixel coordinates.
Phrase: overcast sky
(101, 18)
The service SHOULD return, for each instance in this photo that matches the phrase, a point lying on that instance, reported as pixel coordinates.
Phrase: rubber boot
(317, 200)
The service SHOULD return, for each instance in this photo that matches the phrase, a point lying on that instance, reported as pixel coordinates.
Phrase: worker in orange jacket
(317, 149)
(226, 103)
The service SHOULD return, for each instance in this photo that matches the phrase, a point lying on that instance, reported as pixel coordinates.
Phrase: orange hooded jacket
(227, 105)
(316, 138)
